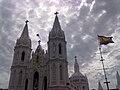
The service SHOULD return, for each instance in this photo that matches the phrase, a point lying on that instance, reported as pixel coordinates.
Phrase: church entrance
(36, 81)
(44, 83)
(26, 84)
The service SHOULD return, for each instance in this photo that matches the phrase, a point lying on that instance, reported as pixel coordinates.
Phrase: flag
(105, 40)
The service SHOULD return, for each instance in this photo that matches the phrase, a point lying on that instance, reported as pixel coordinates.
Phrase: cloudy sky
(81, 20)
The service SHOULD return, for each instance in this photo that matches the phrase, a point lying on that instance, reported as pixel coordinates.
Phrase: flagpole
(102, 60)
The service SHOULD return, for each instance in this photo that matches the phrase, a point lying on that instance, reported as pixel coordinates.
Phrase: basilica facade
(40, 70)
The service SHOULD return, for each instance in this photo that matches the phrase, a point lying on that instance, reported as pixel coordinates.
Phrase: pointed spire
(25, 34)
(24, 38)
(100, 86)
(39, 48)
(56, 30)
(76, 65)
(118, 80)
(56, 25)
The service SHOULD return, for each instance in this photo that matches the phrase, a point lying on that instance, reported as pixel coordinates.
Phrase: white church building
(39, 70)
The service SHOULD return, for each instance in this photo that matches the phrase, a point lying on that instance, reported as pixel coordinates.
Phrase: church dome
(77, 74)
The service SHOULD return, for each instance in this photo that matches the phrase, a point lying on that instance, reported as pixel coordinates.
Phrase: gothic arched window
(36, 81)
(60, 49)
(61, 72)
(45, 83)
(54, 72)
(26, 84)
(20, 77)
(23, 56)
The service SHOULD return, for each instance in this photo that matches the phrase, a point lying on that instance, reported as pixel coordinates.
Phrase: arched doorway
(26, 84)
(36, 81)
(44, 83)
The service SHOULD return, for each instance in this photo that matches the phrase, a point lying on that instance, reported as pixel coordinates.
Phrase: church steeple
(57, 55)
(21, 58)
(25, 34)
(24, 39)
(76, 65)
(56, 30)
(56, 25)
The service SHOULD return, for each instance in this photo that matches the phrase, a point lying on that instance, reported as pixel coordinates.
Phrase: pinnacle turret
(39, 48)
(76, 69)
(76, 65)
(78, 79)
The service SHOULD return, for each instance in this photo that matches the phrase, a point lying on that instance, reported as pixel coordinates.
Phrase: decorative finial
(26, 21)
(56, 13)
(39, 42)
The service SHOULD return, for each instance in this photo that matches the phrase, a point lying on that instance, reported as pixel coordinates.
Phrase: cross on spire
(26, 21)
(56, 13)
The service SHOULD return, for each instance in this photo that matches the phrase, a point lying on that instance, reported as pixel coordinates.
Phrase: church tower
(57, 63)
(22, 52)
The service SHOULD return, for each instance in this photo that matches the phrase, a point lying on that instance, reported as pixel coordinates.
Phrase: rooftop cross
(26, 21)
(56, 13)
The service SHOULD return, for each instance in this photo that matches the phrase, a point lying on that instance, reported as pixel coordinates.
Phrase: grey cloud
(86, 24)
(117, 57)
(81, 30)
(6, 39)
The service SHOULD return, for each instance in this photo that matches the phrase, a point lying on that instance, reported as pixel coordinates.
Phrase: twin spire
(24, 39)
(56, 30)
(56, 25)
(25, 33)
